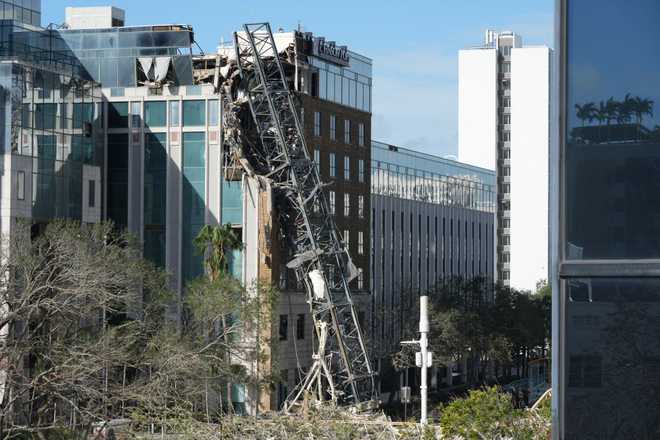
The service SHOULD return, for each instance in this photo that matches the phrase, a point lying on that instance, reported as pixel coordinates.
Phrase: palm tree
(601, 112)
(625, 109)
(585, 112)
(643, 107)
(215, 243)
(611, 110)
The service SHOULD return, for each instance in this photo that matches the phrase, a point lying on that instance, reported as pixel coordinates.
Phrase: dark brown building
(333, 85)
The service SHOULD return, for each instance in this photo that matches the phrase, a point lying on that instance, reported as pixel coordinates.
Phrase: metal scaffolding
(341, 371)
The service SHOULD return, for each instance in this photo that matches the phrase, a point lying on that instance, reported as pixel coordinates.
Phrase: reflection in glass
(613, 133)
(612, 359)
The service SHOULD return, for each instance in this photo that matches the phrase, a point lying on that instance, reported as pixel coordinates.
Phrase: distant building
(503, 125)
(432, 219)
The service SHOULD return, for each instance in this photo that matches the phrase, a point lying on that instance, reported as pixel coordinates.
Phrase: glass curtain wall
(155, 196)
(44, 125)
(609, 218)
(194, 207)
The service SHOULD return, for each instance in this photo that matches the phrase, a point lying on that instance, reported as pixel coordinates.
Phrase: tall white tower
(503, 124)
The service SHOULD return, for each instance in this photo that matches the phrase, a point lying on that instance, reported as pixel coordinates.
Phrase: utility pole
(423, 358)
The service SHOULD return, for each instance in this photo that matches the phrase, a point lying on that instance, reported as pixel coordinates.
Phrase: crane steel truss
(341, 371)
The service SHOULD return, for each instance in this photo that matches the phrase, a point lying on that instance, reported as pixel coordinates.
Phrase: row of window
(284, 327)
(190, 113)
(360, 241)
(333, 129)
(347, 166)
(347, 204)
(20, 189)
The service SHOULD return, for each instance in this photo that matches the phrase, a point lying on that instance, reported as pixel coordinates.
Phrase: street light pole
(423, 358)
(424, 345)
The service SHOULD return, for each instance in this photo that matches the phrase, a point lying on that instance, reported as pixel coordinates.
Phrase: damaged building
(168, 136)
(166, 173)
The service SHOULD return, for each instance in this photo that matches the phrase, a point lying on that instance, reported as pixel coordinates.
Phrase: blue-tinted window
(194, 206)
(82, 113)
(612, 358)
(155, 113)
(613, 137)
(45, 116)
(117, 200)
(118, 115)
(194, 113)
(155, 196)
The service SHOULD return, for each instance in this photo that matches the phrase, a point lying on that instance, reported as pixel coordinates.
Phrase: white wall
(94, 17)
(477, 107)
(530, 117)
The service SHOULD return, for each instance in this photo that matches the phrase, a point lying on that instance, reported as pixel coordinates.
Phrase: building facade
(604, 170)
(22, 11)
(168, 175)
(504, 90)
(51, 132)
(432, 219)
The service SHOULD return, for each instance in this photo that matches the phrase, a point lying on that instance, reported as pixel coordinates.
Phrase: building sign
(328, 51)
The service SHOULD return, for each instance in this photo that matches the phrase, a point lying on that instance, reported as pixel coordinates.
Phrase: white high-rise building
(503, 124)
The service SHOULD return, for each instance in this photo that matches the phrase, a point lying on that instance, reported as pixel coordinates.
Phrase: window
(347, 238)
(118, 115)
(361, 206)
(91, 193)
(506, 136)
(136, 108)
(317, 123)
(361, 170)
(347, 205)
(506, 119)
(360, 278)
(194, 113)
(506, 171)
(333, 165)
(155, 114)
(506, 102)
(506, 223)
(505, 275)
(347, 168)
(300, 326)
(175, 114)
(347, 131)
(332, 202)
(333, 127)
(302, 117)
(317, 160)
(284, 327)
(361, 134)
(213, 112)
(20, 185)
(506, 67)
(506, 240)
(360, 243)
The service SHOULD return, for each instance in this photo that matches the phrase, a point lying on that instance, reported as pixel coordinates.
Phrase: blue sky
(414, 45)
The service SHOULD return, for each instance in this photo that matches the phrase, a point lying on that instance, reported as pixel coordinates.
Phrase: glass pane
(118, 115)
(194, 113)
(613, 133)
(118, 178)
(213, 112)
(155, 114)
(174, 113)
(612, 360)
(155, 196)
(194, 212)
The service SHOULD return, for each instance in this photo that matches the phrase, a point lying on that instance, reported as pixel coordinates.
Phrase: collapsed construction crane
(263, 133)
